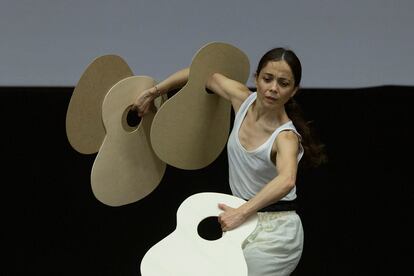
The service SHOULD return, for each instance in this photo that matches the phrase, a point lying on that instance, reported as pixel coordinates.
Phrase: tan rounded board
(84, 127)
(191, 129)
(126, 169)
(185, 253)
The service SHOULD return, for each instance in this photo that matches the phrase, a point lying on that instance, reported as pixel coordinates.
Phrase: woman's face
(275, 83)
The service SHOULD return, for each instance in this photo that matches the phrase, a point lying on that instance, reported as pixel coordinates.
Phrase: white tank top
(250, 171)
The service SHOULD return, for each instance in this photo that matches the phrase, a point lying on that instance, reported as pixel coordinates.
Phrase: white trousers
(275, 246)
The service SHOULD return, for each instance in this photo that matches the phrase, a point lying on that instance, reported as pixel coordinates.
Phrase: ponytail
(314, 150)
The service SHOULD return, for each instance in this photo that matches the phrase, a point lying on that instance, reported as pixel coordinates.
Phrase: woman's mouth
(271, 99)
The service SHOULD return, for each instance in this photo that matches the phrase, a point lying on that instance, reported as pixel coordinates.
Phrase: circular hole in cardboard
(130, 119)
(210, 229)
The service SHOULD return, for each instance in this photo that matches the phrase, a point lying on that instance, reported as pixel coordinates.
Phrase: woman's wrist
(155, 92)
(245, 211)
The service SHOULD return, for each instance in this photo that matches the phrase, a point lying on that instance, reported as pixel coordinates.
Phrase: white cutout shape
(185, 253)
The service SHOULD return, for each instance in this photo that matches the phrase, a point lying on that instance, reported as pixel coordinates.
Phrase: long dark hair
(314, 149)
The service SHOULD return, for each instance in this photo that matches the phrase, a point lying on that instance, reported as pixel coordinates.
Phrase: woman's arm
(227, 88)
(287, 145)
(144, 100)
(232, 90)
(174, 81)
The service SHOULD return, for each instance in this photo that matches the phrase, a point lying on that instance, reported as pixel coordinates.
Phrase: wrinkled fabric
(274, 248)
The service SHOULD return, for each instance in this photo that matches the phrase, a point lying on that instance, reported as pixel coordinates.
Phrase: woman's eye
(283, 84)
(267, 79)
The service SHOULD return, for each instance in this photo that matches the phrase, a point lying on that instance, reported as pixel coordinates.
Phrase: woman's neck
(270, 116)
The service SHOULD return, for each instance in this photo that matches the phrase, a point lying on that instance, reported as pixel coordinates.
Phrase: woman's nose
(273, 86)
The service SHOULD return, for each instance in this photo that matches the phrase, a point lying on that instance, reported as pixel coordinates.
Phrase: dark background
(356, 209)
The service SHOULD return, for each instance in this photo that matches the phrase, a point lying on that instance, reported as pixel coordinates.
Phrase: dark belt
(281, 205)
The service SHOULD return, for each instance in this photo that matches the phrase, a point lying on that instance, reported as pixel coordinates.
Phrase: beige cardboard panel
(84, 127)
(185, 253)
(126, 169)
(191, 129)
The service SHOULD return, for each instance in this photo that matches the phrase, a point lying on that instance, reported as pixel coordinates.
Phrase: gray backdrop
(342, 43)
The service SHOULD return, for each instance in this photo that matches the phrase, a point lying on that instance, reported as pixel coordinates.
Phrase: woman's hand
(230, 218)
(145, 100)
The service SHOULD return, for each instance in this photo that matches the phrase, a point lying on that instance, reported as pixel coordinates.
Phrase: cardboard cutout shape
(185, 253)
(84, 127)
(191, 129)
(126, 168)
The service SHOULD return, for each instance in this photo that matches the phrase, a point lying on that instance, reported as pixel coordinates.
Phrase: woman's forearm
(176, 80)
(172, 82)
